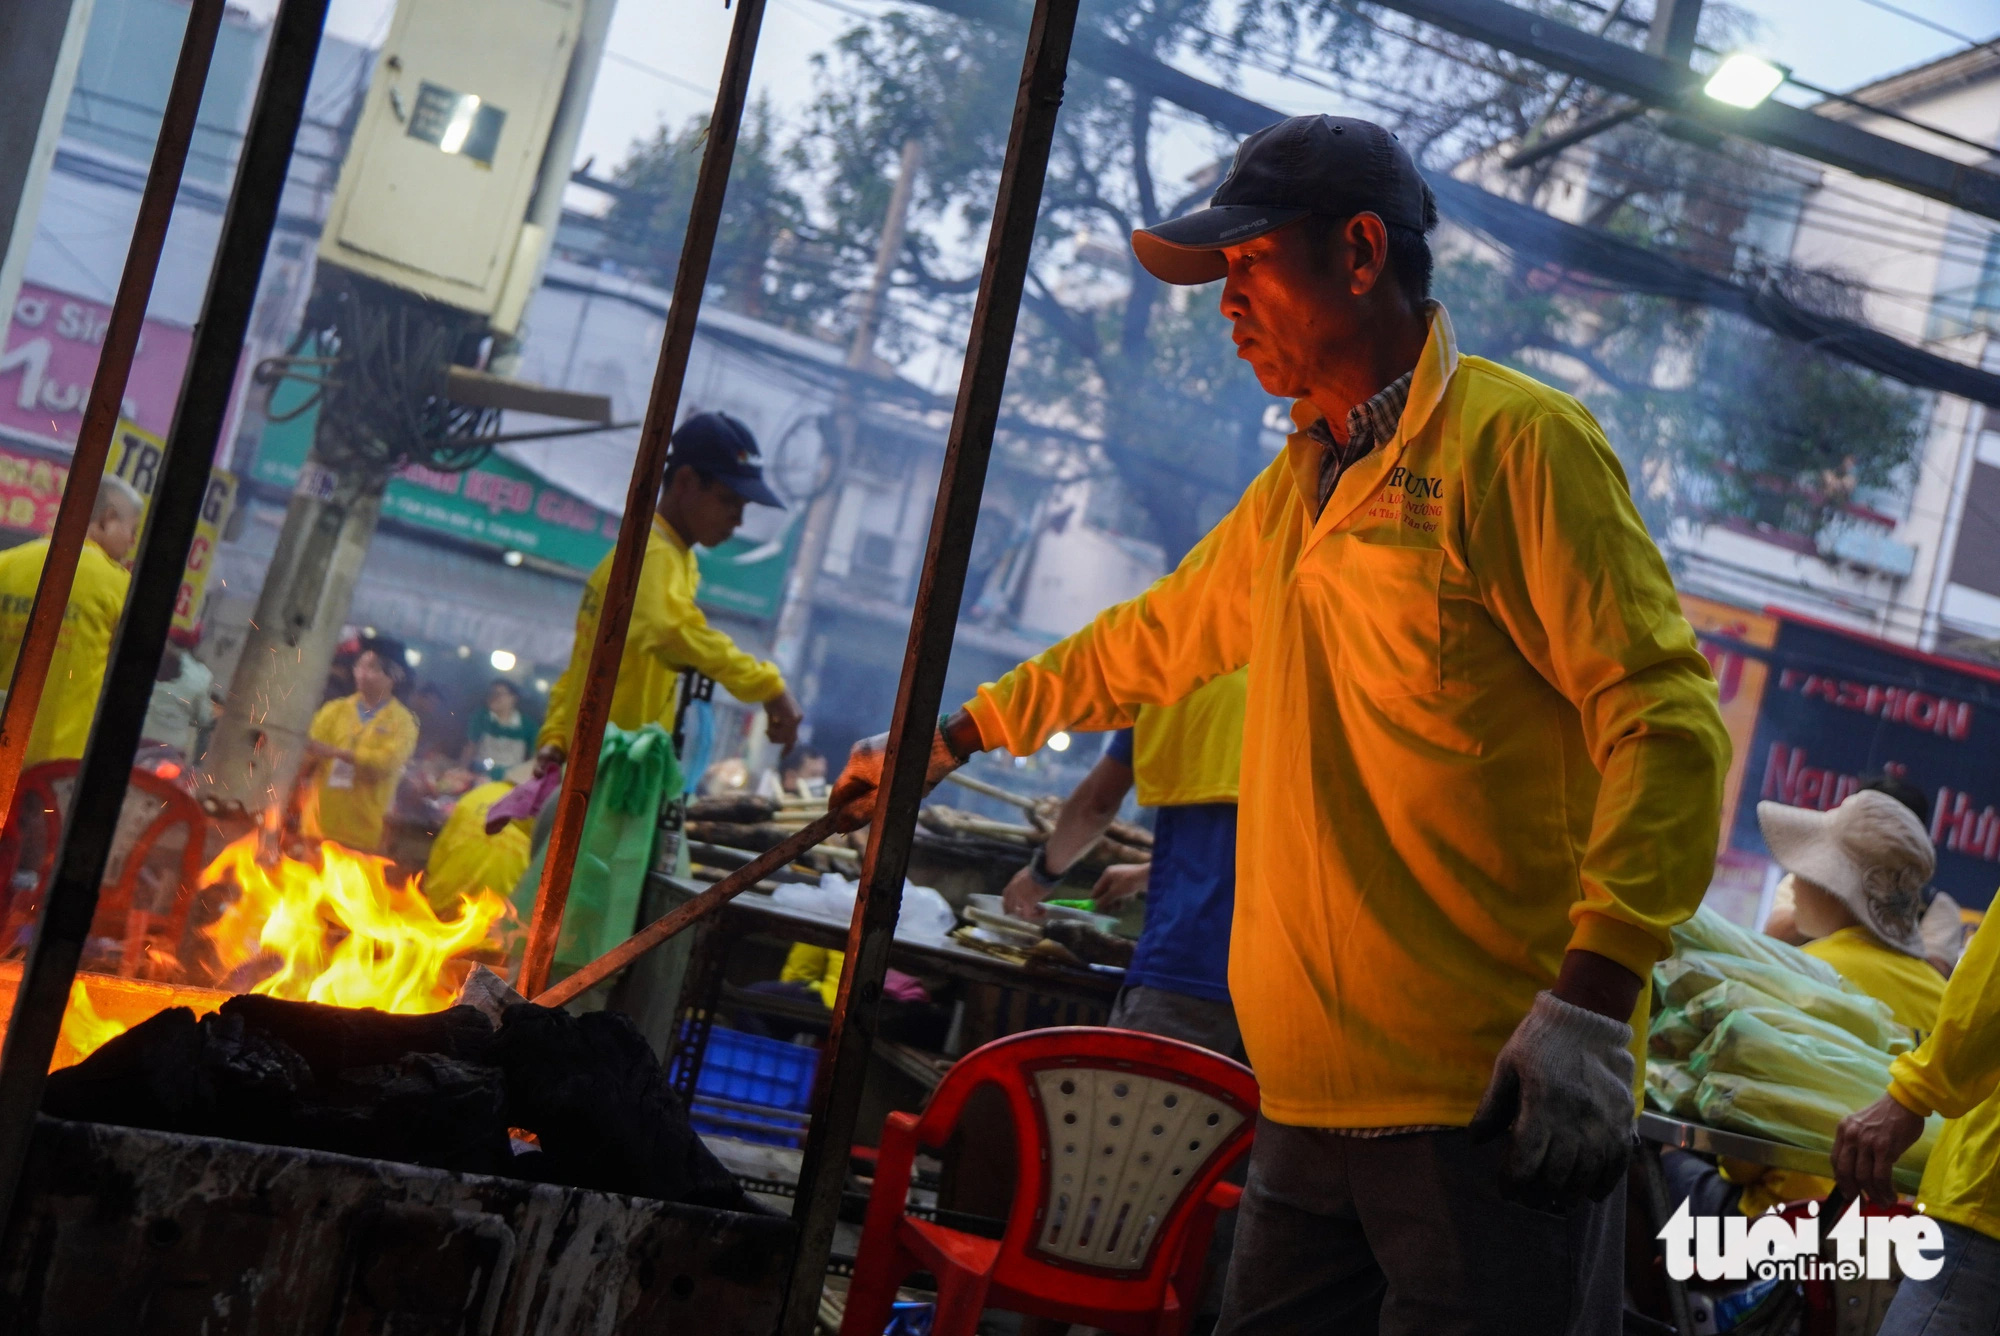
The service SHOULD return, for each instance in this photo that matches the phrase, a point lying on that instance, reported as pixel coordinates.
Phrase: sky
(665, 55)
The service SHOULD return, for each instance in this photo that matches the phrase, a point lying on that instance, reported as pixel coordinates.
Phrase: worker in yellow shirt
(1481, 780)
(356, 749)
(83, 646)
(1955, 1072)
(1858, 875)
(713, 472)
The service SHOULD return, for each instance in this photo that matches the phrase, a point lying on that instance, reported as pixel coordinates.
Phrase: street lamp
(1744, 80)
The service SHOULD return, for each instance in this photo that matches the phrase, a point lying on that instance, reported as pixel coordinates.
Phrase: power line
(1933, 25)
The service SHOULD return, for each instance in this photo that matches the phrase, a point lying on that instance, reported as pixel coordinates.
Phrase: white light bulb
(503, 660)
(1059, 742)
(1744, 80)
(512, 558)
(413, 657)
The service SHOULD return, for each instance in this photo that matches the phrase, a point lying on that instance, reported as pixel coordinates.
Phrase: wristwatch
(1038, 869)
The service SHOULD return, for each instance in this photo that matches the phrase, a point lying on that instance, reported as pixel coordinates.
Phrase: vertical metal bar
(135, 653)
(932, 626)
(641, 497)
(107, 392)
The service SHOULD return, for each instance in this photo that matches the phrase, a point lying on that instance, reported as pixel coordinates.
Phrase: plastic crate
(750, 1069)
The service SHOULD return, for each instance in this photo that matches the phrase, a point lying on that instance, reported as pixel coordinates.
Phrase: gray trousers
(1962, 1299)
(1407, 1235)
(1196, 1020)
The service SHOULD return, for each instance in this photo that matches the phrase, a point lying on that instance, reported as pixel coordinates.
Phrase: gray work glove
(853, 794)
(1563, 1087)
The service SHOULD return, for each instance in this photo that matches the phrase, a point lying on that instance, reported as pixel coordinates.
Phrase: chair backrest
(1118, 1136)
(150, 810)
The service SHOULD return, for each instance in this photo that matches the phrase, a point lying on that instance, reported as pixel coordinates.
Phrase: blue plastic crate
(751, 1069)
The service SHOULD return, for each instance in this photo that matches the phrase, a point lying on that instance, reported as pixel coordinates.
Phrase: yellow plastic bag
(1745, 1044)
(1672, 1035)
(1709, 931)
(1867, 1018)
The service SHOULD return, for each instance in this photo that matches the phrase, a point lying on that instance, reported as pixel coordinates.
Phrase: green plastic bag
(1745, 1044)
(1870, 1020)
(1671, 1088)
(635, 771)
(1706, 1010)
(1796, 1117)
(1709, 931)
(1672, 1035)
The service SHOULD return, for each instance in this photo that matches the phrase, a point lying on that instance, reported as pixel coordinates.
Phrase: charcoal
(337, 1039)
(424, 1109)
(212, 1077)
(591, 1089)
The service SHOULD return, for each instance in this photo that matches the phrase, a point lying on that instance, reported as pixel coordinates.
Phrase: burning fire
(83, 1030)
(340, 933)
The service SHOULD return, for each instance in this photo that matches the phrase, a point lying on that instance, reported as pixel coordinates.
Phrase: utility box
(434, 194)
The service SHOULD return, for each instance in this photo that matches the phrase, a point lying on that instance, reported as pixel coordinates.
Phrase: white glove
(853, 794)
(1563, 1087)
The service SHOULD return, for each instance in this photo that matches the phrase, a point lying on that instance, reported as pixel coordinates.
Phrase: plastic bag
(925, 915)
(1671, 1088)
(1706, 1011)
(1745, 1044)
(1796, 1117)
(635, 771)
(1672, 1035)
(1709, 931)
(1867, 1018)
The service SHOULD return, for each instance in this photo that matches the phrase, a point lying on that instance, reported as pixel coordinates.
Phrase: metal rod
(593, 708)
(71, 900)
(1576, 134)
(107, 394)
(932, 626)
(695, 910)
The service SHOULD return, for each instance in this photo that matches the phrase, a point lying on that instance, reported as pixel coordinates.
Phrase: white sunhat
(1871, 853)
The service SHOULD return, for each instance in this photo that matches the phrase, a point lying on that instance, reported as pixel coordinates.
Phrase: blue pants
(1962, 1299)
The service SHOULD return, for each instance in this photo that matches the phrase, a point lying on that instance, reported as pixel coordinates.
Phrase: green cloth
(636, 771)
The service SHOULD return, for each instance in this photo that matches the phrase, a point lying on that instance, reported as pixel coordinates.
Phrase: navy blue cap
(721, 447)
(1334, 166)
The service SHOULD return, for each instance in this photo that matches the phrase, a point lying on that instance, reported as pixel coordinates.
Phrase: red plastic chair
(1121, 1141)
(41, 803)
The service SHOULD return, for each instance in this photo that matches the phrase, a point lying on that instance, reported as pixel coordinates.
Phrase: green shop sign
(502, 505)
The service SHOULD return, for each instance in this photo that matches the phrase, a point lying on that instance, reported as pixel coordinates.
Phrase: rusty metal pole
(932, 626)
(107, 392)
(71, 901)
(593, 708)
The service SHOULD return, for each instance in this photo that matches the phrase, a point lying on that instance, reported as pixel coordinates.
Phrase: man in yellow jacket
(357, 748)
(83, 646)
(1955, 1072)
(712, 474)
(1482, 771)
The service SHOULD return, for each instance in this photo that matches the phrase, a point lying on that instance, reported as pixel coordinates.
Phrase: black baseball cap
(721, 447)
(1334, 166)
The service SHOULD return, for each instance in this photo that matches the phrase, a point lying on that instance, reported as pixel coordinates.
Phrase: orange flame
(83, 1030)
(340, 933)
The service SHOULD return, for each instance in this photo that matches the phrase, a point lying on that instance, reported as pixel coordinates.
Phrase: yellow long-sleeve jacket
(349, 801)
(1478, 733)
(83, 646)
(1956, 1072)
(668, 632)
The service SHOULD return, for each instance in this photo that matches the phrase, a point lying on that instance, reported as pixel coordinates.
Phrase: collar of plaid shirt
(1368, 425)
